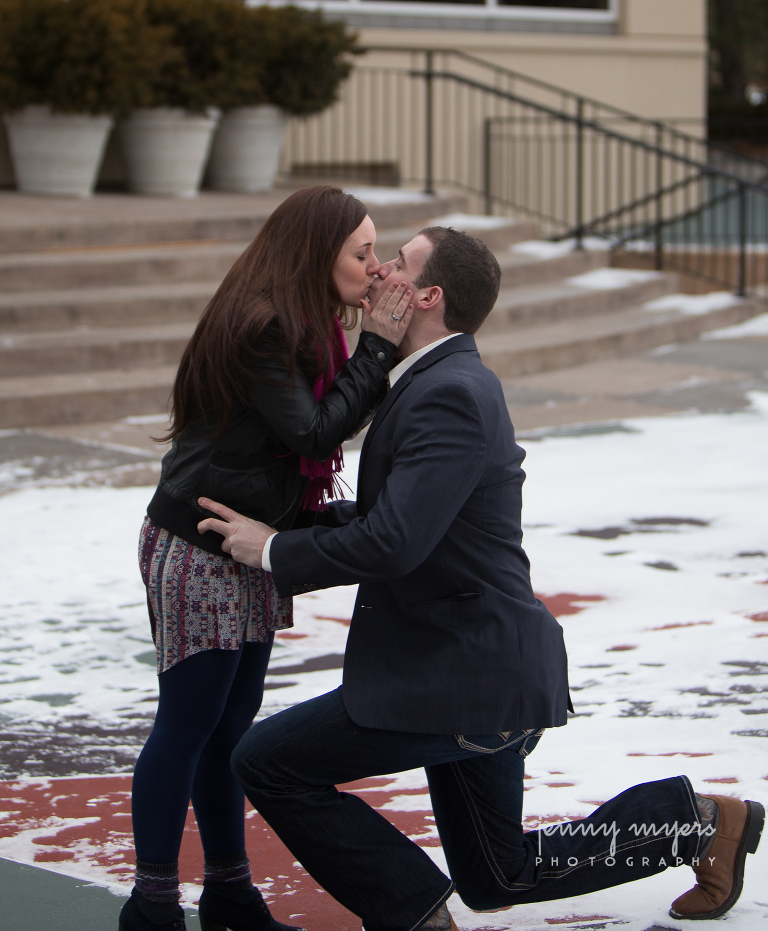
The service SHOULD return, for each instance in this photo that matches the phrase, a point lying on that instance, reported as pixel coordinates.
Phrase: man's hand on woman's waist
(244, 539)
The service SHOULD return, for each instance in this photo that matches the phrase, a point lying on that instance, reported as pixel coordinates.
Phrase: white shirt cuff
(266, 565)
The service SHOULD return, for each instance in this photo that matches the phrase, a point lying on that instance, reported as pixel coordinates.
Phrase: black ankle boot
(236, 908)
(139, 914)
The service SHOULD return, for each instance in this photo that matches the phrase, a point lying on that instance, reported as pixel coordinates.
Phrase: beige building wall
(646, 57)
(654, 64)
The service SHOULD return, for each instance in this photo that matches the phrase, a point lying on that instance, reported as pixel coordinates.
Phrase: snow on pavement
(649, 542)
(757, 326)
(696, 304)
(608, 279)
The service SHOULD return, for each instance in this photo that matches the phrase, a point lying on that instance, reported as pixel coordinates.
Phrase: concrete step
(498, 233)
(111, 304)
(145, 342)
(166, 263)
(571, 342)
(84, 350)
(30, 224)
(521, 269)
(168, 301)
(598, 291)
(103, 395)
(139, 305)
(84, 397)
(118, 265)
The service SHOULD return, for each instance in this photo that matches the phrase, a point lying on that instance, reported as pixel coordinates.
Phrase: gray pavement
(35, 899)
(39, 900)
(30, 457)
(703, 376)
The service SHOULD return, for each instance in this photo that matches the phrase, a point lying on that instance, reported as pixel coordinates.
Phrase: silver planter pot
(56, 153)
(246, 149)
(165, 150)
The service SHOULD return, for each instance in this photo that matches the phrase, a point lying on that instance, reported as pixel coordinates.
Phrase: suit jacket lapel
(463, 343)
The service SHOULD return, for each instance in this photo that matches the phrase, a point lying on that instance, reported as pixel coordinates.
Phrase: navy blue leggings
(207, 702)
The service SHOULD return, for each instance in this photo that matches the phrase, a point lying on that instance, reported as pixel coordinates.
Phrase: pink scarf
(323, 481)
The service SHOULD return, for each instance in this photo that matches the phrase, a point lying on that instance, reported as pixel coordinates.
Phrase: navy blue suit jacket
(447, 636)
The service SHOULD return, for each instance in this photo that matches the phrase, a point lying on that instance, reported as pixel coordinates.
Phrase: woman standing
(263, 399)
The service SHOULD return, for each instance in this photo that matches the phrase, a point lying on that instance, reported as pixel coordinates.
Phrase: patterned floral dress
(200, 601)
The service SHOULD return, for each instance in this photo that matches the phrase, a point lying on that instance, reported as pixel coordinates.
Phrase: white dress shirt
(397, 372)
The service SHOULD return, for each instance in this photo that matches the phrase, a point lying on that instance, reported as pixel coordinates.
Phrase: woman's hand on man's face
(391, 314)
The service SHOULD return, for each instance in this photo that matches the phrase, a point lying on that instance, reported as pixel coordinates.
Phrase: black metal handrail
(580, 101)
(601, 225)
(643, 185)
(584, 123)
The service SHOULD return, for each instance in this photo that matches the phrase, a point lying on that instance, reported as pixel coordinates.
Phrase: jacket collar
(465, 342)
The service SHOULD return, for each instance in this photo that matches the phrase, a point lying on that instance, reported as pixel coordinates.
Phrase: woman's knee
(228, 733)
(186, 738)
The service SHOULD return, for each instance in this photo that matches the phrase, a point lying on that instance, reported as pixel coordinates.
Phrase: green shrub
(112, 56)
(243, 71)
(79, 56)
(214, 64)
(232, 55)
(305, 57)
(7, 13)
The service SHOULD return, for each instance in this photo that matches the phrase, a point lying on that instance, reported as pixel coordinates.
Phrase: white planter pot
(246, 149)
(56, 153)
(165, 150)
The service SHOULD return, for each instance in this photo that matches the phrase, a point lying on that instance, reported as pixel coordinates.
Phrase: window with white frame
(557, 6)
(546, 15)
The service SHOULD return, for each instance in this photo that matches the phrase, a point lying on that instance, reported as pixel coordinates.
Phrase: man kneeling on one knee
(452, 663)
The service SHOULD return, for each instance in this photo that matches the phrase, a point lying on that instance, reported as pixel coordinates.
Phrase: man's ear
(431, 298)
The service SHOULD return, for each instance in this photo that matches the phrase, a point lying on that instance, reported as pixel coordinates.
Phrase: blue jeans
(289, 766)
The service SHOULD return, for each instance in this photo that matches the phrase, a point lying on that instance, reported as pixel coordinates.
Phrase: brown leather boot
(720, 875)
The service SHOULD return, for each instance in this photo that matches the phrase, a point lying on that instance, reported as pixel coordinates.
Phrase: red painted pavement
(81, 826)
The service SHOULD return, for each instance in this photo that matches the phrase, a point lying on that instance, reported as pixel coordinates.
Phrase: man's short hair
(467, 271)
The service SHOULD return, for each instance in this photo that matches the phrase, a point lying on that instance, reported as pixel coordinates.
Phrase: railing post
(428, 126)
(487, 193)
(659, 243)
(580, 173)
(742, 288)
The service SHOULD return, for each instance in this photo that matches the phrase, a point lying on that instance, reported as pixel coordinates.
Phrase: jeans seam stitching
(527, 736)
(485, 845)
(476, 748)
(433, 908)
(694, 805)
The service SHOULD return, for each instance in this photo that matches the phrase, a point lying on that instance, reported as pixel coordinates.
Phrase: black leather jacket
(254, 466)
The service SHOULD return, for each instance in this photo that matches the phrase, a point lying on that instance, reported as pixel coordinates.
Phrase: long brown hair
(285, 278)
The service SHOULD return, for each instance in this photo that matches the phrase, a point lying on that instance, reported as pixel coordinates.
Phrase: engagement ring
(394, 317)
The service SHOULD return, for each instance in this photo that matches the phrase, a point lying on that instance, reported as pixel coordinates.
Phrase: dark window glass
(562, 4)
(457, 2)
(548, 4)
